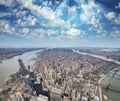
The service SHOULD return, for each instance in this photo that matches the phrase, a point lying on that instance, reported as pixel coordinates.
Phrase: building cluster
(58, 75)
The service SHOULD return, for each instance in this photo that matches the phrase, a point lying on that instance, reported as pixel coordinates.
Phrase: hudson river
(11, 66)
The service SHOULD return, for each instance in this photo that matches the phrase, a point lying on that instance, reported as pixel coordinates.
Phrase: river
(11, 66)
(112, 95)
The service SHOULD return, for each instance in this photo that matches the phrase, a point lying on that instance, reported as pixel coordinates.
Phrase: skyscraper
(22, 67)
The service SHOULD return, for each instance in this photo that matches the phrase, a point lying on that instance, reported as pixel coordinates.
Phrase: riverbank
(100, 88)
(11, 66)
(113, 79)
(113, 95)
(7, 53)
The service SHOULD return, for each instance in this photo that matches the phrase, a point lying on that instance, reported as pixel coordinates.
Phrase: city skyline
(59, 23)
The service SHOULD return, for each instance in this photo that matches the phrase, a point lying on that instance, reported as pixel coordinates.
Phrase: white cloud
(110, 15)
(101, 29)
(45, 3)
(5, 14)
(91, 3)
(6, 27)
(44, 12)
(31, 20)
(73, 32)
(27, 21)
(25, 30)
(20, 14)
(115, 33)
(117, 20)
(84, 17)
(90, 14)
(57, 2)
(80, 1)
(52, 32)
(6, 2)
(100, 36)
(37, 33)
(72, 9)
(118, 6)
(113, 17)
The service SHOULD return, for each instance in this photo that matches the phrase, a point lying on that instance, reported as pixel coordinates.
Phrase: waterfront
(112, 95)
(11, 66)
(115, 81)
(97, 56)
(60, 59)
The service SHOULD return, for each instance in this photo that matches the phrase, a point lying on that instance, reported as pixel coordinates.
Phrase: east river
(112, 95)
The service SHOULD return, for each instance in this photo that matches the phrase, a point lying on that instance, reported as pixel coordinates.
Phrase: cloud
(110, 15)
(6, 27)
(115, 33)
(52, 32)
(73, 32)
(90, 14)
(27, 21)
(7, 2)
(118, 6)
(25, 30)
(5, 14)
(35, 34)
(117, 20)
(72, 9)
(19, 14)
(58, 20)
(100, 36)
(44, 12)
(113, 17)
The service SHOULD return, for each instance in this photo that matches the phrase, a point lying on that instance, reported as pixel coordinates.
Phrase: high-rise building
(55, 94)
(38, 88)
(39, 98)
(16, 97)
(22, 67)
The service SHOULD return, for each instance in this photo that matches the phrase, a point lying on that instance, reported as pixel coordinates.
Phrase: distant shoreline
(7, 53)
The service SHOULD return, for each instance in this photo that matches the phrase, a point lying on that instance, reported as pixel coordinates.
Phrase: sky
(60, 23)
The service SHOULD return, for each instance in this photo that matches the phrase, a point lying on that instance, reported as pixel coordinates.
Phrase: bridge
(106, 86)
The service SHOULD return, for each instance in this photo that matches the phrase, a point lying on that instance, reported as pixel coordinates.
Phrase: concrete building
(22, 67)
(16, 96)
(55, 94)
(39, 98)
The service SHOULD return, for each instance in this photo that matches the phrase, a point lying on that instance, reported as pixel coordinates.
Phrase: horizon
(60, 47)
(59, 23)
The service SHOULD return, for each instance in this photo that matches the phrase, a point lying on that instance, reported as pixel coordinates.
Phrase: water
(115, 81)
(11, 66)
(97, 56)
(112, 95)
